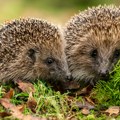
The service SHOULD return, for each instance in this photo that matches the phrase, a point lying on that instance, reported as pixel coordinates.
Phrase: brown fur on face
(32, 49)
(93, 43)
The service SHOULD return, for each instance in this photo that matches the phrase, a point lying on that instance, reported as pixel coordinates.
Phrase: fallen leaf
(84, 91)
(16, 113)
(26, 87)
(4, 114)
(71, 85)
(85, 111)
(113, 110)
(9, 94)
(89, 100)
(20, 107)
(85, 104)
(52, 118)
(5, 102)
(79, 103)
(31, 103)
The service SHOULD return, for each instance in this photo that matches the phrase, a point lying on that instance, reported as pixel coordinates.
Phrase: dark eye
(49, 61)
(94, 53)
(116, 53)
(31, 53)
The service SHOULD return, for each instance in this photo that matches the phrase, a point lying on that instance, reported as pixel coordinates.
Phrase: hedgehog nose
(69, 77)
(104, 75)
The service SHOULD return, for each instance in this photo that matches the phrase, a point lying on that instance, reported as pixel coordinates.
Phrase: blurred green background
(57, 11)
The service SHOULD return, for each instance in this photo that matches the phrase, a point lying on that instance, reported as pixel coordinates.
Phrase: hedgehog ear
(31, 54)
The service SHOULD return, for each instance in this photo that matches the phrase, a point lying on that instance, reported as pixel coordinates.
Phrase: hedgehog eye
(49, 61)
(31, 54)
(116, 53)
(94, 53)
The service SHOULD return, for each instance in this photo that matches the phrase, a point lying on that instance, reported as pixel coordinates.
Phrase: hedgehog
(93, 43)
(31, 49)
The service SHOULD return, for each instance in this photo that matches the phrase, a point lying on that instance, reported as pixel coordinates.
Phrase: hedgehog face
(31, 49)
(48, 62)
(93, 43)
(94, 55)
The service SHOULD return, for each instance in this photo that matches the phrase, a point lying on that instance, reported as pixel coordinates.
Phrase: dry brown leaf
(84, 104)
(53, 118)
(79, 103)
(26, 87)
(20, 107)
(5, 102)
(4, 114)
(84, 91)
(85, 111)
(89, 100)
(9, 94)
(31, 103)
(113, 110)
(69, 85)
(16, 113)
(29, 117)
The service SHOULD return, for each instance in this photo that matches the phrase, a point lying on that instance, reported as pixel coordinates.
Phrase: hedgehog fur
(31, 48)
(93, 43)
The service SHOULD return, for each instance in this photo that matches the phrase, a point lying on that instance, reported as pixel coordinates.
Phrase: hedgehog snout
(104, 67)
(65, 74)
(104, 74)
(69, 77)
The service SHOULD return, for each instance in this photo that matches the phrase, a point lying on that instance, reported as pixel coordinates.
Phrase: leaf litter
(84, 105)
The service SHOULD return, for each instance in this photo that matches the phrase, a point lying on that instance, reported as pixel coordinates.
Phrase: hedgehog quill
(32, 49)
(93, 43)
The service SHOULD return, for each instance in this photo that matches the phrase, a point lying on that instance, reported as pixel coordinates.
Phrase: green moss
(108, 93)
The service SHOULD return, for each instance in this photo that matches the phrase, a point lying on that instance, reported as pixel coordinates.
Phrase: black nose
(104, 75)
(69, 77)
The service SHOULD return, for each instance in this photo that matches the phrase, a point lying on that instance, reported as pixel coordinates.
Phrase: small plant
(108, 93)
(49, 102)
(52, 104)
(1, 91)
